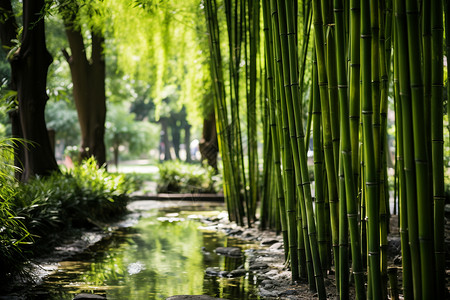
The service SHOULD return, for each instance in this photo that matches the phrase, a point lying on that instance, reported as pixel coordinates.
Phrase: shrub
(45, 207)
(178, 177)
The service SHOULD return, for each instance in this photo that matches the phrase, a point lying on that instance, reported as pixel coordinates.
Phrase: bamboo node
(367, 112)
(440, 141)
(338, 10)
(371, 183)
(420, 161)
(342, 86)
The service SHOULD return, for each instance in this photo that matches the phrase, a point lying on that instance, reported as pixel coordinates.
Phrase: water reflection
(154, 259)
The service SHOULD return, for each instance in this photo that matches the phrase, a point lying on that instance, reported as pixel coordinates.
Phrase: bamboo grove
(325, 75)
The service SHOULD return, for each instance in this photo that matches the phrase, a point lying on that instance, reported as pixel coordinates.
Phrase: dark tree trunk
(187, 142)
(88, 77)
(165, 138)
(116, 157)
(176, 140)
(29, 72)
(209, 145)
(8, 32)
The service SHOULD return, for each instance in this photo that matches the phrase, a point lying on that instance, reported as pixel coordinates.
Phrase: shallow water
(164, 253)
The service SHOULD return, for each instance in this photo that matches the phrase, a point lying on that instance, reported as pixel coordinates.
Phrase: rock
(267, 294)
(268, 241)
(237, 273)
(258, 266)
(229, 251)
(193, 297)
(276, 246)
(235, 232)
(213, 271)
(84, 296)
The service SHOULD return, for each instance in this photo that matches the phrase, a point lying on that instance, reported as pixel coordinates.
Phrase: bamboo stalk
(408, 148)
(326, 127)
(368, 28)
(437, 144)
(346, 156)
(424, 207)
(287, 160)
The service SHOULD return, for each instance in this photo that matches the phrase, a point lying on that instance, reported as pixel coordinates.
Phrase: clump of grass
(179, 177)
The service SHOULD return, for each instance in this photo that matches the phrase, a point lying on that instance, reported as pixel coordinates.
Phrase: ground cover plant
(179, 177)
(36, 215)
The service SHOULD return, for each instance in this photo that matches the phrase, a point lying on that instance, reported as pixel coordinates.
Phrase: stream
(160, 250)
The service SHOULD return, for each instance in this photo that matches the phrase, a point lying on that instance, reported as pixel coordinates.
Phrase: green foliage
(45, 207)
(62, 118)
(179, 177)
(123, 130)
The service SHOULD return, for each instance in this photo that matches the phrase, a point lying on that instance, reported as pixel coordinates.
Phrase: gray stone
(269, 241)
(213, 271)
(258, 266)
(85, 296)
(237, 273)
(229, 251)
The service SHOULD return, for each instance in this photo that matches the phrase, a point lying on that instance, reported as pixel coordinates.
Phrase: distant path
(134, 166)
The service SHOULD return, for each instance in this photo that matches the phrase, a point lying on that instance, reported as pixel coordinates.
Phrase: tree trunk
(88, 77)
(29, 72)
(8, 32)
(165, 138)
(187, 142)
(209, 144)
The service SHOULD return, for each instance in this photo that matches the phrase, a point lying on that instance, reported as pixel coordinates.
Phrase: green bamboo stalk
(288, 65)
(384, 21)
(369, 23)
(437, 144)
(254, 20)
(447, 50)
(273, 122)
(343, 236)
(424, 206)
(326, 127)
(220, 109)
(354, 93)
(408, 148)
(346, 155)
(333, 96)
(403, 212)
(318, 171)
(287, 158)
